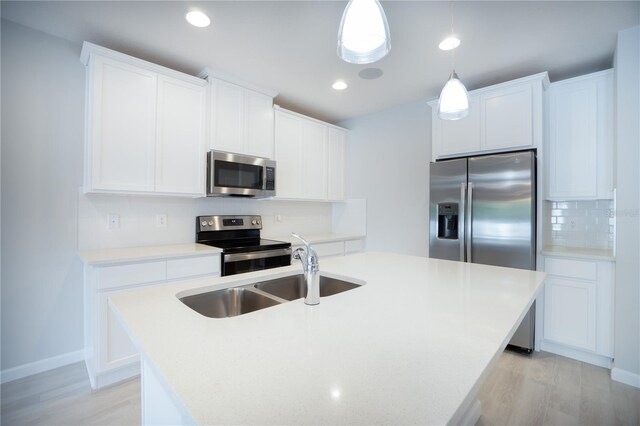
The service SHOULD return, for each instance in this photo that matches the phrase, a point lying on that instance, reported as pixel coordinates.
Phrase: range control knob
(203, 223)
(258, 222)
(210, 223)
(254, 222)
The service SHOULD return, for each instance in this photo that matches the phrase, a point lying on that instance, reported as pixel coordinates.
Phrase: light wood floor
(547, 389)
(521, 390)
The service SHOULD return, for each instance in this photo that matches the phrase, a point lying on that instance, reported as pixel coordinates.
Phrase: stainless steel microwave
(240, 175)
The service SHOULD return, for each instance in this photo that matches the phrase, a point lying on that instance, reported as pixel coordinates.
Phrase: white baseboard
(626, 377)
(25, 370)
(588, 357)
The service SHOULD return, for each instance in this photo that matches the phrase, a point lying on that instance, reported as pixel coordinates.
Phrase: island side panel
(158, 406)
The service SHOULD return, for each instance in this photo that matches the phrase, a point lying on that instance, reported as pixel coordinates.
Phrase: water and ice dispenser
(448, 221)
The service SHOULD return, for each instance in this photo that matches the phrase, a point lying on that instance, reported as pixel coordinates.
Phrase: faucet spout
(309, 258)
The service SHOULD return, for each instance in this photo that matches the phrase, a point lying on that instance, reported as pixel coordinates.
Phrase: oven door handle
(239, 257)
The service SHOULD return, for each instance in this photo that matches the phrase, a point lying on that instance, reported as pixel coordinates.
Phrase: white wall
(42, 139)
(627, 293)
(388, 164)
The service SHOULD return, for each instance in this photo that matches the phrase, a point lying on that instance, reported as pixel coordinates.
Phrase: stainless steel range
(242, 248)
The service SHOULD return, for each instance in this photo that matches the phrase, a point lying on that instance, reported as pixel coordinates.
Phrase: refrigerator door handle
(468, 221)
(463, 189)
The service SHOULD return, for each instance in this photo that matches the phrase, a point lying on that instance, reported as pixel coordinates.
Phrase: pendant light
(364, 36)
(453, 103)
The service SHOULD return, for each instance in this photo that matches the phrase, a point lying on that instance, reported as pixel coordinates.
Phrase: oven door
(240, 175)
(238, 263)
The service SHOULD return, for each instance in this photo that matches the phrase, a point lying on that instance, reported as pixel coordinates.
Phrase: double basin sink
(236, 301)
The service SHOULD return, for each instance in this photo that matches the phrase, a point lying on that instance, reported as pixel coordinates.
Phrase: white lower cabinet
(578, 309)
(570, 312)
(109, 353)
(336, 248)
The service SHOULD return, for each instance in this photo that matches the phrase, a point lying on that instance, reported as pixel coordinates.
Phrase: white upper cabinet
(241, 117)
(580, 139)
(507, 118)
(227, 117)
(451, 137)
(145, 126)
(181, 124)
(309, 158)
(503, 117)
(259, 124)
(288, 155)
(335, 163)
(314, 160)
(121, 126)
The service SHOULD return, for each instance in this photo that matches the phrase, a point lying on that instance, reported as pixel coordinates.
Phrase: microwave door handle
(461, 220)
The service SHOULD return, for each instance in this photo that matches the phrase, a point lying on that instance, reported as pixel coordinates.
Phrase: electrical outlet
(113, 221)
(161, 221)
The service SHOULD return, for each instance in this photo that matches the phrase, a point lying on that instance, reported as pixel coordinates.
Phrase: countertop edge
(318, 238)
(577, 253)
(137, 254)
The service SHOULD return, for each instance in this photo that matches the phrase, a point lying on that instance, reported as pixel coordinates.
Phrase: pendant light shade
(454, 100)
(363, 37)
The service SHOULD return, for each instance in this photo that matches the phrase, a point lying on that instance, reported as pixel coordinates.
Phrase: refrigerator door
(502, 227)
(447, 198)
(501, 203)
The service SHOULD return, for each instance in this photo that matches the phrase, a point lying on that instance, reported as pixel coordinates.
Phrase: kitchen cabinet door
(570, 312)
(335, 164)
(259, 122)
(116, 348)
(580, 140)
(288, 155)
(227, 122)
(314, 170)
(452, 137)
(507, 117)
(121, 126)
(180, 149)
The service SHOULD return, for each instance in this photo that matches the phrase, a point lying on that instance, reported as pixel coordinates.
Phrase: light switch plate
(113, 221)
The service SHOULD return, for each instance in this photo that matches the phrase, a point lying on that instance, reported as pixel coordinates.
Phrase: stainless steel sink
(230, 302)
(294, 287)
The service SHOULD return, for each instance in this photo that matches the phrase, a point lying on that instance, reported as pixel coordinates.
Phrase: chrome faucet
(309, 258)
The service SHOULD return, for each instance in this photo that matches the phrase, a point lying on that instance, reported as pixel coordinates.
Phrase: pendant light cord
(451, 12)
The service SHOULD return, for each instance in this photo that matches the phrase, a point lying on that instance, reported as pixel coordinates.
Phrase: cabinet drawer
(189, 267)
(330, 249)
(579, 269)
(327, 249)
(353, 246)
(135, 273)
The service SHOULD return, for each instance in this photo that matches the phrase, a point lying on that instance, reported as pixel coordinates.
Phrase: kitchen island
(413, 344)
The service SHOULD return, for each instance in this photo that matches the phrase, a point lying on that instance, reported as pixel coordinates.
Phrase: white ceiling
(290, 47)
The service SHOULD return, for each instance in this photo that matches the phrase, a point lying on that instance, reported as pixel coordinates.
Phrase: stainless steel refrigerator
(483, 210)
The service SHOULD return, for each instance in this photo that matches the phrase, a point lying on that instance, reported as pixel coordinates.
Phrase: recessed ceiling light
(339, 85)
(197, 19)
(449, 43)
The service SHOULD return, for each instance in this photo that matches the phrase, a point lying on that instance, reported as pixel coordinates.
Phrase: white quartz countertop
(412, 345)
(580, 253)
(317, 238)
(135, 254)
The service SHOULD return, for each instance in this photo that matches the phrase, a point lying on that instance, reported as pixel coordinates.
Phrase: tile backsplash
(584, 224)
